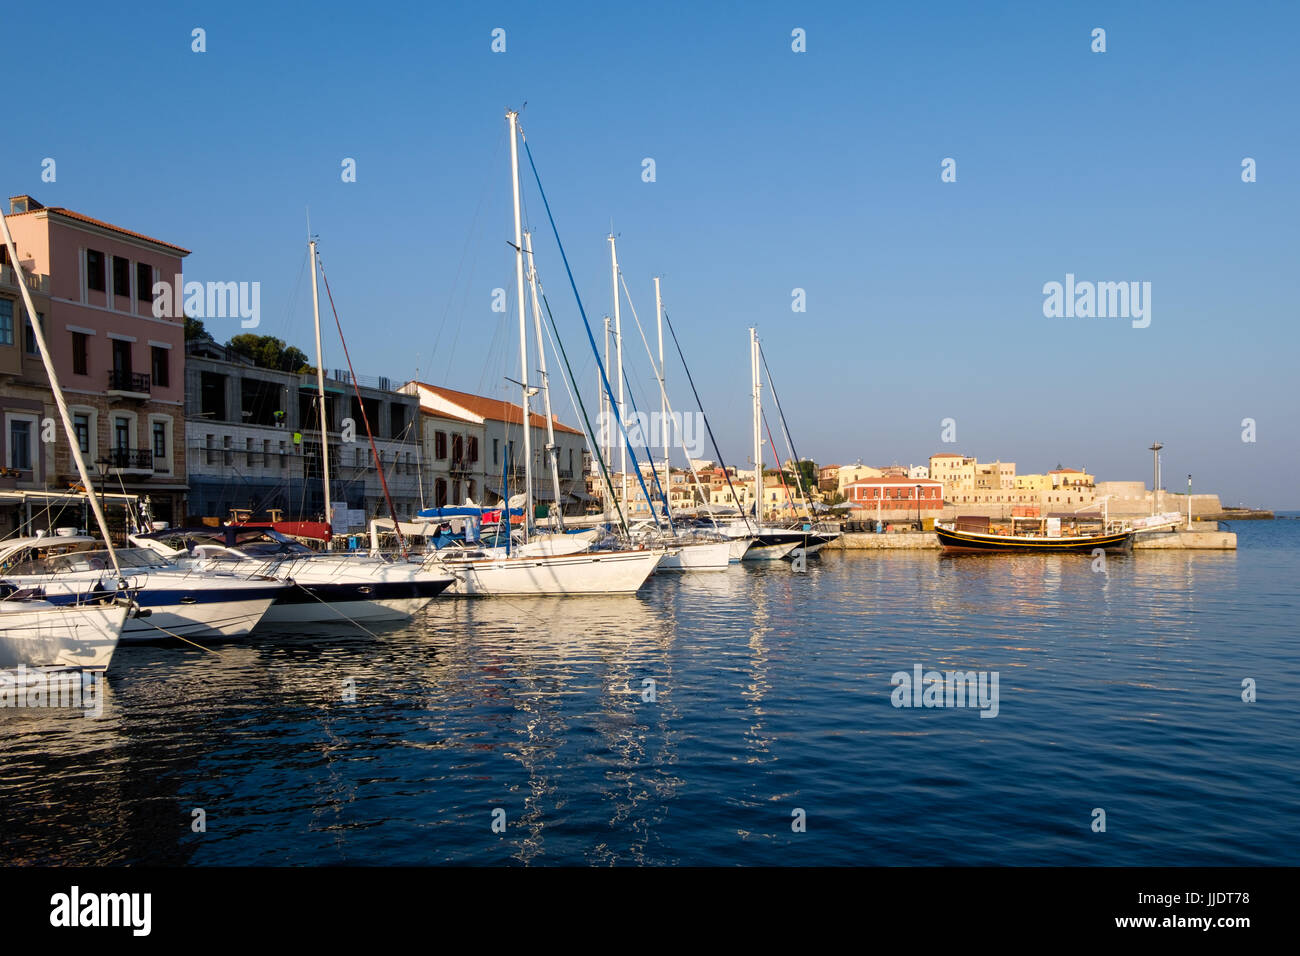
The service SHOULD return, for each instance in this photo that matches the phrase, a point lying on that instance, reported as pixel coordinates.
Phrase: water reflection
(771, 691)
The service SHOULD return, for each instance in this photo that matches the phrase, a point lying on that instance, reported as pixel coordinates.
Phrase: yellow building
(1033, 483)
(957, 472)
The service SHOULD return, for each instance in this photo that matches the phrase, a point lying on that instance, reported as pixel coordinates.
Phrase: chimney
(19, 204)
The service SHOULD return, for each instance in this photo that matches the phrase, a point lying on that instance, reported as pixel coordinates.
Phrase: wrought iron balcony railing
(131, 459)
(128, 382)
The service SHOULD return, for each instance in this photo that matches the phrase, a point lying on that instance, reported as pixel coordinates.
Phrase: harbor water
(745, 717)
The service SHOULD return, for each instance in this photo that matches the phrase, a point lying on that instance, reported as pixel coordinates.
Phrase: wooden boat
(975, 534)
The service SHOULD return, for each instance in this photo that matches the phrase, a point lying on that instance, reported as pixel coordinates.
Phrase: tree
(267, 351)
(194, 329)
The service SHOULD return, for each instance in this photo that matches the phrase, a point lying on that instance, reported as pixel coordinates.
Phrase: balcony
(128, 385)
(462, 466)
(39, 284)
(131, 460)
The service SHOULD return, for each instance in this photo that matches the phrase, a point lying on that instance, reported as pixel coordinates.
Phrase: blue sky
(774, 171)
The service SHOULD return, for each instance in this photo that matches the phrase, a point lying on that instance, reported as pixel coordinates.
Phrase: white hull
(710, 556)
(35, 634)
(770, 552)
(340, 612)
(606, 572)
(224, 620)
(739, 547)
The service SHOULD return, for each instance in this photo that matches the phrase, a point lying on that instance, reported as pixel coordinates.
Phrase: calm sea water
(1119, 690)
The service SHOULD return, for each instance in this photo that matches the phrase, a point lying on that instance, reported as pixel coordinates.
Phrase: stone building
(253, 440)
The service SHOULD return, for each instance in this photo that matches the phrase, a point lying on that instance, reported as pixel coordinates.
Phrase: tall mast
(605, 412)
(552, 453)
(618, 355)
(320, 389)
(71, 433)
(758, 424)
(513, 117)
(663, 391)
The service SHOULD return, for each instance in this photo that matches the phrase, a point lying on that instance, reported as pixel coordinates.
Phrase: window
(80, 348)
(121, 276)
(122, 433)
(81, 427)
(6, 321)
(160, 370)
(122, 359)
(160, 441)
(440, 445)
(440, 493)
(473, 448)
(496, 451)
(210, 446)
(458, 448)
(227, 453)
(144, 282)
(30, 335)
(20, 443)
(284, 459)
(95, 270)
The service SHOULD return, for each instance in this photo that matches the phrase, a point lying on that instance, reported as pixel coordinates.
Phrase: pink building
(121, 366)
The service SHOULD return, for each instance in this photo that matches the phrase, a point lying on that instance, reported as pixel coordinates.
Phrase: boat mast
(605, 411)
(618, 354)
(320, 389)
(758, 424)
(513, 117)
(552, 453)
(73, 444)
(663, 393)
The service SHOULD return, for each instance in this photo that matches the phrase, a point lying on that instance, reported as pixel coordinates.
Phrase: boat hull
(710, 556)
(308, 602)
(969, 541)
(81, 638)
(611, 572)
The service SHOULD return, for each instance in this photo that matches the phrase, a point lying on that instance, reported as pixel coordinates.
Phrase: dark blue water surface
(1119, 690)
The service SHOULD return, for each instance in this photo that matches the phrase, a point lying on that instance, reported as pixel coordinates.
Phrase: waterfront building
(253, 440)
(954, 471)
(452, 471)
(120, 365)
(895, 497)
(848, 474)
(502, 432)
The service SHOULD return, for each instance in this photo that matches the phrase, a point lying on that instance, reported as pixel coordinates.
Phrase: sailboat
(482, 572)
(692, 550)
(771, 542)
(35, 633)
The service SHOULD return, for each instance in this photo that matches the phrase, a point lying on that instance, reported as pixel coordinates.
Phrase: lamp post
(1155, 486)
(1189, 502)
(102, 464)
(920, 524)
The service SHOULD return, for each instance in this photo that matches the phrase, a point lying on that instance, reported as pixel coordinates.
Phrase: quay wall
(928, 541)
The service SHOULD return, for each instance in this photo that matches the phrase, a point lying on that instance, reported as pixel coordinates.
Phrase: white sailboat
(479, 572)
(770, 543)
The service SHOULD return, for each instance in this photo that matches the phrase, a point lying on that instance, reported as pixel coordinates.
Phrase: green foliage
(269, 352)
(194, 329)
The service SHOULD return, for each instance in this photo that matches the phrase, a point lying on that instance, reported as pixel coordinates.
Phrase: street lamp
(102, 464)
(919, 523)
(1155, 486)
